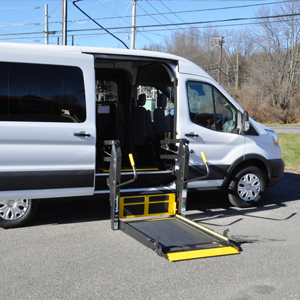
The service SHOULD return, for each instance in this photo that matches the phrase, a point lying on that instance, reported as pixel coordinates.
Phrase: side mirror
(245, 122)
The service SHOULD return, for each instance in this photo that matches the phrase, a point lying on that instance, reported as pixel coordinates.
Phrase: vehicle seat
(163, 122)
(141, 125)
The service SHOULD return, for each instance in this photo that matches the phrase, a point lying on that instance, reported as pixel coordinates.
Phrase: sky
(23, 21)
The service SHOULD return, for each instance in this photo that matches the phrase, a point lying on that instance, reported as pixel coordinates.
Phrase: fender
(260, 160)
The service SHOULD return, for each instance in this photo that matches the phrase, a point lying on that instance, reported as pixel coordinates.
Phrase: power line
(147, 38)
(74, 3)
(145, 15)
(123, 31)
(186, 23)
(149, 30)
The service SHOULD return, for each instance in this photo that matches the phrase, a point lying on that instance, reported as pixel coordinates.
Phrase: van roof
(92, 50)
(185, 66)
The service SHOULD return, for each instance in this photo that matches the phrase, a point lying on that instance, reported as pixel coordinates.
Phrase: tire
(16, 213)
(247, 187)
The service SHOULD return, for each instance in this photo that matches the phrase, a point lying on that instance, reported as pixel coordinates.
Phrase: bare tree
(268, 61)
(278, 44)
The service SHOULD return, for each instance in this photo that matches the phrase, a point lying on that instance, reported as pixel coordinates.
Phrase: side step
(174, 237)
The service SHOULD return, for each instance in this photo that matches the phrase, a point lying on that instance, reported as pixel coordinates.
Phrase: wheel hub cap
(13, 209)
(249, 187)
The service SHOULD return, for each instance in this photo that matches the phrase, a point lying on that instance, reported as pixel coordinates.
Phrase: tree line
(258, 66)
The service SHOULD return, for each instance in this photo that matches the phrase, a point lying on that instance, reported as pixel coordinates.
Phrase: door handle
(191, 134)
(82, 134)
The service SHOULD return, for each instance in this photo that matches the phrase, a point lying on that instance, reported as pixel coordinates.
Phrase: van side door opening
(132, 99)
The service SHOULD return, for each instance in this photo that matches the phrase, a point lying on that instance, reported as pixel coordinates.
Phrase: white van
(59, 104)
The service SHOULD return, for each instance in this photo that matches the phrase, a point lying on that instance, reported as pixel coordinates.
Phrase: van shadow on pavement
(207, 205)
(72, 210)
(200, 204)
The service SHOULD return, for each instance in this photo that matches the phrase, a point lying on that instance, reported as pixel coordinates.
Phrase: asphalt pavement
(286, 129)
(70, 252)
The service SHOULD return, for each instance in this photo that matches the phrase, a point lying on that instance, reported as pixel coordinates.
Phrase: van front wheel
(247, 187)
(17, 212)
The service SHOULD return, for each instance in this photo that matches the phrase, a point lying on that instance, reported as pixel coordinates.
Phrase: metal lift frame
(191, 239)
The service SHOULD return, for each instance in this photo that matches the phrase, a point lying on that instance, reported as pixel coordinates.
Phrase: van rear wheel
(16, 213)
(247, 187)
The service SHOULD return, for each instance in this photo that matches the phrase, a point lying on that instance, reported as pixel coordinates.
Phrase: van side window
(41, 93)
(106, 90)
(201, 104)
(226, 113)
(209, 108)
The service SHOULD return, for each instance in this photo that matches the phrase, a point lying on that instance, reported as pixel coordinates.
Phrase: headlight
(273, 136)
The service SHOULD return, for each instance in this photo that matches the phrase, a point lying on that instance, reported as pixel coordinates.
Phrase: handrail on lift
(181, 155)
(167, 148)
(114, 179)
(207, 169)
(134, 171)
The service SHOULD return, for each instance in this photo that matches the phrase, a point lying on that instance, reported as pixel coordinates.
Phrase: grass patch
(287, 125)
(290, 144)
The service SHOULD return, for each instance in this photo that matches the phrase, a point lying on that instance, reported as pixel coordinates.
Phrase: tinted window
(201, 104)
(226, 113)
(41, 93)
(209, 108)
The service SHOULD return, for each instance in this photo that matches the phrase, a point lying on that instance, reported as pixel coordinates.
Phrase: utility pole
(220, 42)
(237, 73)
(46, 25)
(64, 29)
(133, 24)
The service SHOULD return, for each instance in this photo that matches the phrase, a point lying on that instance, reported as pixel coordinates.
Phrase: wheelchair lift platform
(158, 220)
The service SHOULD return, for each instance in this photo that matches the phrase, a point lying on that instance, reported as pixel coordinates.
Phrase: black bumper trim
(278, 169)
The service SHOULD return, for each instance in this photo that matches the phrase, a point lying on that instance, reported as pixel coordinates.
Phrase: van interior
(135, 105)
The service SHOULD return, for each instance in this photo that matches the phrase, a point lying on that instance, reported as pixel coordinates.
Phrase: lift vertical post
(182, 176)
(114, 181)
(181, 158)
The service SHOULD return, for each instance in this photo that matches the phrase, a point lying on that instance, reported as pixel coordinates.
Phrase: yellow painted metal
(149, 220)
(131, 159)
(171, 205)
(130, 170)
(203, 157)
(218, 251)
(202, 228)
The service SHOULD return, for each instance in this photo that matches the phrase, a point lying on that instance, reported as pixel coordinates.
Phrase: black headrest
(161, 100)
(142, 100)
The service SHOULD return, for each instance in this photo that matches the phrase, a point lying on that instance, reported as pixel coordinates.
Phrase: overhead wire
(164, 29)
(176, 12)
(74, 3)
(136, 30)
(189, 23)
(154, 20)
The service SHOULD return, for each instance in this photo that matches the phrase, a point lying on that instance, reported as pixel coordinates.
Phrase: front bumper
(277, 166)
